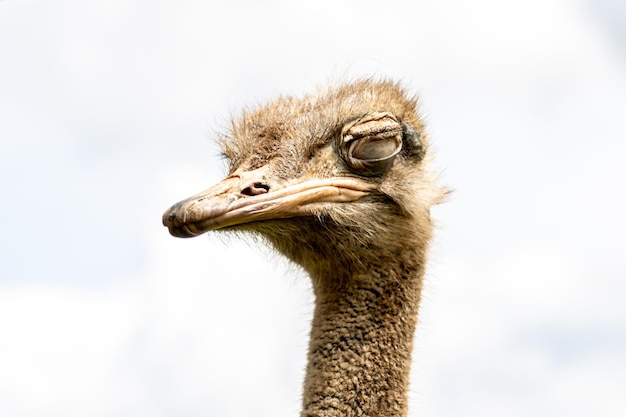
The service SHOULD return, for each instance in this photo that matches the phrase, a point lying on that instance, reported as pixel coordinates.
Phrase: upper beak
(247, 197)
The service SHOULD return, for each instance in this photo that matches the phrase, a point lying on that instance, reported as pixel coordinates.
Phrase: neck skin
(361, 342)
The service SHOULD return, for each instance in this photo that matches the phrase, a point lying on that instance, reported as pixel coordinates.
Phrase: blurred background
(108, 115)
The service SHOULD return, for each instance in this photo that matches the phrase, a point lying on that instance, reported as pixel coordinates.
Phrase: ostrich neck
(361, 343)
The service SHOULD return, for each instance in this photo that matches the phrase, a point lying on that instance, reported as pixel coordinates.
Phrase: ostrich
(340, 182)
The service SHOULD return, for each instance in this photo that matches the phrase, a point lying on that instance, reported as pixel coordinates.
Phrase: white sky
(107, 115)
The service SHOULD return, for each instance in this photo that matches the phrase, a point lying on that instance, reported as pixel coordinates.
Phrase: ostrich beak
(247, 197)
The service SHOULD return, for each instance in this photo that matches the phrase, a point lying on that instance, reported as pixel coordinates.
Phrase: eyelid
(375, 148)
(369, 144)
(373, 124)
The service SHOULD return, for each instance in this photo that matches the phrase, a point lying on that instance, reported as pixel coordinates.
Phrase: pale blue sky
(108, 111)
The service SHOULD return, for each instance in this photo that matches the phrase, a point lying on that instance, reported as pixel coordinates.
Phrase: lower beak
(228, 204)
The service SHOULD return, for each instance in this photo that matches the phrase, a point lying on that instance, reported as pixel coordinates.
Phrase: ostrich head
(336, 181)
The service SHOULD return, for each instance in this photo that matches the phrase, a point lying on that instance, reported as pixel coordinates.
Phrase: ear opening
(413, 144)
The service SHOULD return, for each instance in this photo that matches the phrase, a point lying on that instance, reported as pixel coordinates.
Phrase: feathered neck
(361, 341)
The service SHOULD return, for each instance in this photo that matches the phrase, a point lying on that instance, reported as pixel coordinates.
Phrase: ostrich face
(331, 173)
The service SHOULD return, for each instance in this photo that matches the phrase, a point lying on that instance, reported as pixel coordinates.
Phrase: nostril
(256, 189)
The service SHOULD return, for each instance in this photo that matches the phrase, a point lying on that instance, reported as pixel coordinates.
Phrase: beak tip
(168, 218)
(173, 220)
